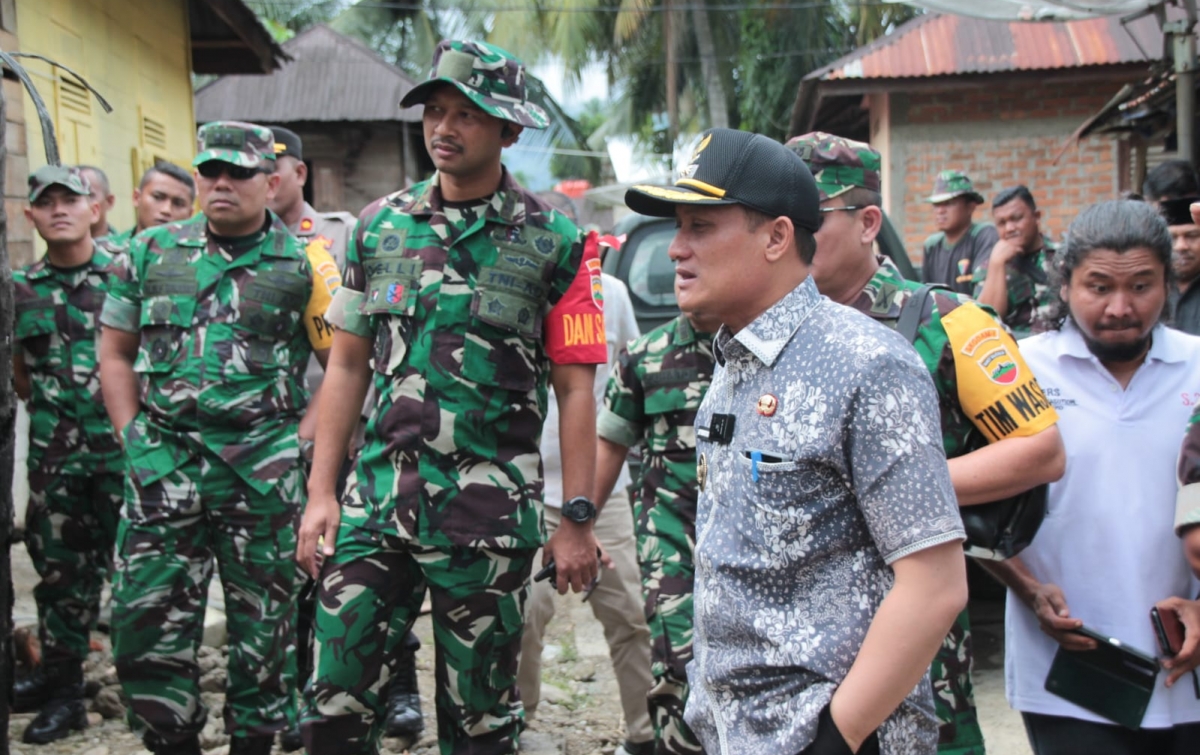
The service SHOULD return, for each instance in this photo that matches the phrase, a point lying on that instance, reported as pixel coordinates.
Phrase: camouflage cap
(69, 177)
(838, 165)
(245, 144)
(953, 183)
(491, 77)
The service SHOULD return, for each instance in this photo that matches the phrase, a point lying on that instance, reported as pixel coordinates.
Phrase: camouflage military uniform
(651, 400)
(122, 238)
(446, 491)
(213, 459)
(838, 166)
(76, 469)
(1187, 505)
(1031, 295)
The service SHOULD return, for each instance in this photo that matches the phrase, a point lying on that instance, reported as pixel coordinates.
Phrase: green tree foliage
(735, 63)
(589, 121)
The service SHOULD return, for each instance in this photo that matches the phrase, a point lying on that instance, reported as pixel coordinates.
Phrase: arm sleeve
(996, 389)
(325, 281)
(574, 329)
(896, 462)
(984, 241)
(1187, 503)
(622, 416)
(123, 304)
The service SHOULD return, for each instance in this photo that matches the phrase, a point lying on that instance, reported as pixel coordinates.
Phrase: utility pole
(672, 86)
(1182, 35)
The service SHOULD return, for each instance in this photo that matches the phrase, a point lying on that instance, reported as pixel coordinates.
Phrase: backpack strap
(912, 310)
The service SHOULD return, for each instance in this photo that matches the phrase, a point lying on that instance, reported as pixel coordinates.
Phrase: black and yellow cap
(287, 143)
(737, 167)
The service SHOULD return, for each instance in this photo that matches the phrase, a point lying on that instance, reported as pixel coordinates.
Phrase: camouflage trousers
(173, 529)
(368, 597)
(70, 529)
(666, 541)
(953, 693)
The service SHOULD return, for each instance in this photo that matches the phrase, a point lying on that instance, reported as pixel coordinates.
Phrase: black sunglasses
(214, 169)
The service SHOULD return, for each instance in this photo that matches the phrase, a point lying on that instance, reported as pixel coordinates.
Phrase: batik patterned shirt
(834, 471)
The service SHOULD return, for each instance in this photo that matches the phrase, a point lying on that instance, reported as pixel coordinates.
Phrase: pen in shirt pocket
(756, 457)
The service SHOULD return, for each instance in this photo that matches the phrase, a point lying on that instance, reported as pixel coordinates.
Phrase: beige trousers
(617, 603)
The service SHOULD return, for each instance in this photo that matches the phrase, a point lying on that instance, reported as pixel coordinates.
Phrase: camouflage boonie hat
(953, 183)
(491, 77)
(68, 177)
(838, 165)
(245, 144)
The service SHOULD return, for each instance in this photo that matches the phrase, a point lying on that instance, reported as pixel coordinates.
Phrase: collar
(684, 332)
(43, 269)
(878, 298)
(1170, 346)
(507, 205)
(771, 331)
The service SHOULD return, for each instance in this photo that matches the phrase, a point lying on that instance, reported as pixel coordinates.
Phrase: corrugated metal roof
(945, 45)
(228, 38)
(331, 78)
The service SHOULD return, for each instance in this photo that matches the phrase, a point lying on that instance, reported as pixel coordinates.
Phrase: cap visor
(228, 156)
(660, 201)
(33, 195)
(974, 196)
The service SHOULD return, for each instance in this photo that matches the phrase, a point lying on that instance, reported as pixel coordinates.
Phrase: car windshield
(651, 272)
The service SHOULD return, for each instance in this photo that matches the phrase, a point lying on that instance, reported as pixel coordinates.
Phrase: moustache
(1120, 324)
(449, 143)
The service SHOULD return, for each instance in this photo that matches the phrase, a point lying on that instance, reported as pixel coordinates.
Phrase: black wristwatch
(579, 510)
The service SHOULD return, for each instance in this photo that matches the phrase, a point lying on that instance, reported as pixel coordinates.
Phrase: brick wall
(1001, 135)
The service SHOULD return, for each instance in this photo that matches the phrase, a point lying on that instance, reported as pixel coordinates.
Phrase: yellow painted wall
(137, 54)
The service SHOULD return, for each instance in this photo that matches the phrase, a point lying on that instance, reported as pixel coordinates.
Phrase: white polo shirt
(620, 327)
(1107, 539)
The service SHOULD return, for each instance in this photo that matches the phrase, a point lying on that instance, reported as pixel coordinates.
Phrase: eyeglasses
(214, 169)
(848, 208)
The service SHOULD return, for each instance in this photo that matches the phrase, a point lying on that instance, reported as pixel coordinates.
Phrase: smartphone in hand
(1168, 630)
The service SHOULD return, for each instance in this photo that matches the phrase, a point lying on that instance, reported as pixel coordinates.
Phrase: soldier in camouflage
(651, 401)
(960, 248)
(1187, 527)
(75, 464)
(988, 460)
(202, 359)
(1016, 283)
(464, 297)
(332, 232)
(165, 194)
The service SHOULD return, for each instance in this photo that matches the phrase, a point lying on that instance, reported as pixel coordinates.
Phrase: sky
(572, 97)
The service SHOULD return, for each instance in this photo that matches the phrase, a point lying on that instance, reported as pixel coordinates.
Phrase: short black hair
(171, 170)
(1020, 191)
(806, 242)
(1171, 180)
(860, 197)
(100, 174)
(1120, 225)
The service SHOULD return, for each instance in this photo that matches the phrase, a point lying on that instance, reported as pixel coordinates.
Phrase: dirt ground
(580, 713)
